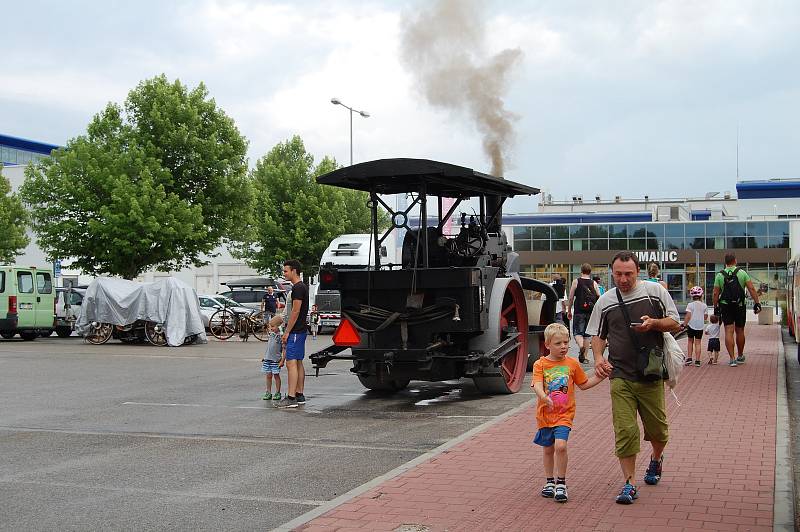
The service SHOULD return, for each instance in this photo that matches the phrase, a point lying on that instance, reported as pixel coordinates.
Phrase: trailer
(350, 251)
(454, 306)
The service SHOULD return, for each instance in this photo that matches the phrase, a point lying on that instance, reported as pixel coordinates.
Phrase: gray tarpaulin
(168, 301)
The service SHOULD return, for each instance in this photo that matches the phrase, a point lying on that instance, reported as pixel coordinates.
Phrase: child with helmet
(694, 321)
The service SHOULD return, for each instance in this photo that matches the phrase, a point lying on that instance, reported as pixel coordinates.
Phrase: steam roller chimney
(493, 203)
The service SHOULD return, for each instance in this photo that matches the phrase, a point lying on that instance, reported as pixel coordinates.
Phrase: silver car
(210, 303)
(68, 309)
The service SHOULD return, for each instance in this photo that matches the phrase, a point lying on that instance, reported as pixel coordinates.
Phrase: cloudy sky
(616, 97)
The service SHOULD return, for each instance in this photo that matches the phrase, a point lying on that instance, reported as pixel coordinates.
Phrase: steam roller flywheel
(507, 313)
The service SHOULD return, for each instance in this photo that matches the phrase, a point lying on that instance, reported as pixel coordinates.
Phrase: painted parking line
(218, 438)
(167, 493)
(308, 410)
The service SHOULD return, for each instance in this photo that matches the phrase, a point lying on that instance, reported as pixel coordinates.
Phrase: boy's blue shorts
(270, 366)
(547, 436)
(296, 346)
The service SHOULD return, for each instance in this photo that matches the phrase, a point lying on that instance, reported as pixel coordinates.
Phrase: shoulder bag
(650, 360)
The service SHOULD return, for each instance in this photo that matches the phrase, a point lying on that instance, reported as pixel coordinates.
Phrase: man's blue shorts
(296, 346)
(547, 436)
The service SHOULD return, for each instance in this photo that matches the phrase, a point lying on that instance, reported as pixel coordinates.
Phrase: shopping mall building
(687, 237)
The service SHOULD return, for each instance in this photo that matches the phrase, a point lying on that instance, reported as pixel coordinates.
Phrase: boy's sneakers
(653, 474)
(267, 396)
(628, 494)
(697, 363)
(582, 355)
(287, 402)
(561, 493)
(732, 363)
(301, 399)
(740, 359)
(549, 490)
(688, 362)
(276, 396)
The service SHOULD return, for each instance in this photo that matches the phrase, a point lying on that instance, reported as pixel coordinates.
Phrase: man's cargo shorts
(646, 398)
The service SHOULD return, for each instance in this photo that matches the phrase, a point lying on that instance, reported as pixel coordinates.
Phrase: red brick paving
(718, 470)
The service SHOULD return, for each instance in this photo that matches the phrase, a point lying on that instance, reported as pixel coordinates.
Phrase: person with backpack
(729, 304)
(583, 294)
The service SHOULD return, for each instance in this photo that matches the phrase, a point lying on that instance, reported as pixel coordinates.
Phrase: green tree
(295, 217)
(157, 184)
(13, 221)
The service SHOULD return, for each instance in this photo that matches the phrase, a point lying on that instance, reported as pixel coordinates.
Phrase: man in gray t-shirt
(652, 312)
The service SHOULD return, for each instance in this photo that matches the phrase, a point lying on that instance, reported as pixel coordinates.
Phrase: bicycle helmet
(696, 292)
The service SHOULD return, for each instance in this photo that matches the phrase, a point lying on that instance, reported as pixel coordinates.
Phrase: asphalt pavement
(117, 436)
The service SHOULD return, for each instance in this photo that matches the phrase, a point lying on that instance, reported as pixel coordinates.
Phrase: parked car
(27, 301)
(209, 304)
(251, 298)
(68, 309)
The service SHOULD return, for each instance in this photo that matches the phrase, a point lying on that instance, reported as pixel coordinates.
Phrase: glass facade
(15, 156)
(653, 236)
(768, 278)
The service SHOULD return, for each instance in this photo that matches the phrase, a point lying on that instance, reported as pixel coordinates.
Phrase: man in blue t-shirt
(269, 304)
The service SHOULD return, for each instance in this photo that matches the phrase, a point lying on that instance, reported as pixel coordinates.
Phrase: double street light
(337, 101)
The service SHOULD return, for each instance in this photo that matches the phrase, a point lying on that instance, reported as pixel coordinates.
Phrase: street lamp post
(337, 101)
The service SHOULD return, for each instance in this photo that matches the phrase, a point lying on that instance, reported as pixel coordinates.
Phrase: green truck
(27, 301)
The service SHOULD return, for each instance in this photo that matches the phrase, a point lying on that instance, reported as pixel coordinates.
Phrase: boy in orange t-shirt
(554, 379)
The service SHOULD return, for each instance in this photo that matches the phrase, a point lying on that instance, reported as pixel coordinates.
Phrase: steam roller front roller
(508, 315)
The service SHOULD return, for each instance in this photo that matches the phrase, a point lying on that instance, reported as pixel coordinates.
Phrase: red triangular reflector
(346, 334)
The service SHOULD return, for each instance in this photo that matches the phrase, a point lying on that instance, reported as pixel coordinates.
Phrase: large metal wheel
(222, 324)
(99, 333)
(155, 333)
(259, 326)
(507, 313)
(8, 335)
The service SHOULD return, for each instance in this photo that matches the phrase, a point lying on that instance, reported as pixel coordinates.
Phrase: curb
(783, 507)
(399, 470)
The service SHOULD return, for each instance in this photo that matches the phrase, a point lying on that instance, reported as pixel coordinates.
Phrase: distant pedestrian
(729, 305)
(554, 379)
(561, 293)
(583, 294)
(653, 272)
(270, 364)
(269, 304)
(712, 330)
(631, 319)
(693, 322)
(294, 336)
(313, 319)
(599, 282)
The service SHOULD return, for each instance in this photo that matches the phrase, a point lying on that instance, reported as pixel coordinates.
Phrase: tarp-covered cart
(165, 312)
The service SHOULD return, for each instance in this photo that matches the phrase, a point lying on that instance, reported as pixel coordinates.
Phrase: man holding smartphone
(652, 312)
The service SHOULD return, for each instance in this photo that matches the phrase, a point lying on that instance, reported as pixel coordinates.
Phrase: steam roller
(453, 305)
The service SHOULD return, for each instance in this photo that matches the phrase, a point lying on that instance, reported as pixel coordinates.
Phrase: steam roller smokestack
(493, 203)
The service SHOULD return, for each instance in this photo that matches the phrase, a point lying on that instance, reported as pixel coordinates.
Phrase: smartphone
(635, 323)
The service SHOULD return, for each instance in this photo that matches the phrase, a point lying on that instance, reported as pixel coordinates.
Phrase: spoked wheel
(259, 326)
(222, 324)
(155, 333)
(99, 333)
(507, 314)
